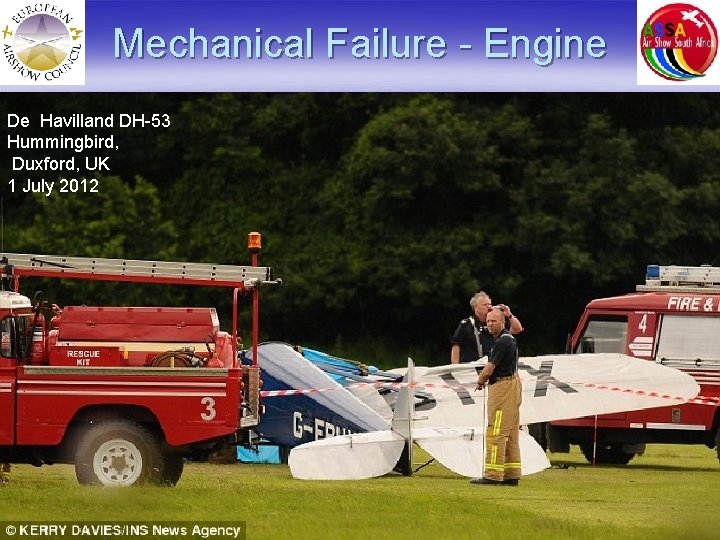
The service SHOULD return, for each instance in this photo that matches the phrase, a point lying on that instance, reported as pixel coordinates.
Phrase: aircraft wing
(306, 403)
(462, 450)
(368, 455)
(347, 457)
(556, 387)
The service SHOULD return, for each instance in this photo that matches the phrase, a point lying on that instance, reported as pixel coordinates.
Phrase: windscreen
(689, 338)
(604, 334)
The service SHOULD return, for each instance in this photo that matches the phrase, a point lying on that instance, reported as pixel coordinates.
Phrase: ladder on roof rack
(183, 273)
(681, 279)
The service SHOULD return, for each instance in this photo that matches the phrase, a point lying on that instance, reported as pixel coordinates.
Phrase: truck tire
(172, 469)
(539, 433)
(717, 442)
(119, 453)
(606, 454)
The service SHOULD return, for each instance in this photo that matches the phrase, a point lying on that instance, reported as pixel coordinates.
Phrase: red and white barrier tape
(705, 400)
(699, 400)
(281, 393)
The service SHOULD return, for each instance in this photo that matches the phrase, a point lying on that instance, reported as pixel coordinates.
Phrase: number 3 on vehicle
(209, 413)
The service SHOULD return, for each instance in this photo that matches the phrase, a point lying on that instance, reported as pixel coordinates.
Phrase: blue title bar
(362, 45)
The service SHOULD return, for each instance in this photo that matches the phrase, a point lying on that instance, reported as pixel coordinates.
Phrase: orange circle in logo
(679, 42)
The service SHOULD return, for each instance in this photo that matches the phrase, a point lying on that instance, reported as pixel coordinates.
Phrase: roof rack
(183, 273)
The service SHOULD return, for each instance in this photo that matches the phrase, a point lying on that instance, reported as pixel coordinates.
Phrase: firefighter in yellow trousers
(502, 449)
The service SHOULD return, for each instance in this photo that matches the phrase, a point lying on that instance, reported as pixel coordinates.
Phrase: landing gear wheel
(284, 452)
(606, 454)
(118, 453)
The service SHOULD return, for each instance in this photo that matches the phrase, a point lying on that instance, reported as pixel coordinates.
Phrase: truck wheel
(172, 469)
(539, 433)
(606, 454)
(717, 442)
(118, 453)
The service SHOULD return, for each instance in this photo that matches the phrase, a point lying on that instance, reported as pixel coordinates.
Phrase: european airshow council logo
(43, 42)
(678, 43)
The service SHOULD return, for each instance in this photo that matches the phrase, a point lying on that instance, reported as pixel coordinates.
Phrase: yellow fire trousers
(502, 448)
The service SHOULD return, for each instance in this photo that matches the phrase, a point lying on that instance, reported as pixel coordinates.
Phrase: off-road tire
(118, 453)
(539, 433)
(173, 465)
(606, 454)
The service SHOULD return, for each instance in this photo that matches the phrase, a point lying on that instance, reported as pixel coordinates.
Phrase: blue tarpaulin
(262, 454)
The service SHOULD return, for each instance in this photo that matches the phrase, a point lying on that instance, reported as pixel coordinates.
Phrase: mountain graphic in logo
(42, 42)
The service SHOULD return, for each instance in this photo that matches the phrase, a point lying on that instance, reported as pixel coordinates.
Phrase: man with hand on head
(471, 339)
(502, 446)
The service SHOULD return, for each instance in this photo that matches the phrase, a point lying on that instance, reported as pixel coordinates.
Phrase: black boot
(486, 482)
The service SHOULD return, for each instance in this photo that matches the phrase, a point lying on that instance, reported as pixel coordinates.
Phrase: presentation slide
(356, 182)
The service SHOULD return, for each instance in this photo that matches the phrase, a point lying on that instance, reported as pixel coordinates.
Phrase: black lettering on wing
(545, 379)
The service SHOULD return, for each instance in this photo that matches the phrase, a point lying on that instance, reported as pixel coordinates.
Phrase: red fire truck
(674, 320)
(124, 393)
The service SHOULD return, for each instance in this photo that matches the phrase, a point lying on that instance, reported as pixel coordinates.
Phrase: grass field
(670, 492)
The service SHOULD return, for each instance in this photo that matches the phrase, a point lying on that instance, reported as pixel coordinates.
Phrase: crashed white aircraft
(451, 426)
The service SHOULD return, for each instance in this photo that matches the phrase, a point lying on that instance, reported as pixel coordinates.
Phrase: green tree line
(384, 213)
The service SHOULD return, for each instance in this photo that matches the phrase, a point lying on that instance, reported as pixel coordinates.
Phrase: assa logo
(677, 43)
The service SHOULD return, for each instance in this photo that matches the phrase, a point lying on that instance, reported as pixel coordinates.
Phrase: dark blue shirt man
(502, 446)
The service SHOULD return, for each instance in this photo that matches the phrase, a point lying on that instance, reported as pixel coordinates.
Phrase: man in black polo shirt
(502, 448)
(471, 339)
